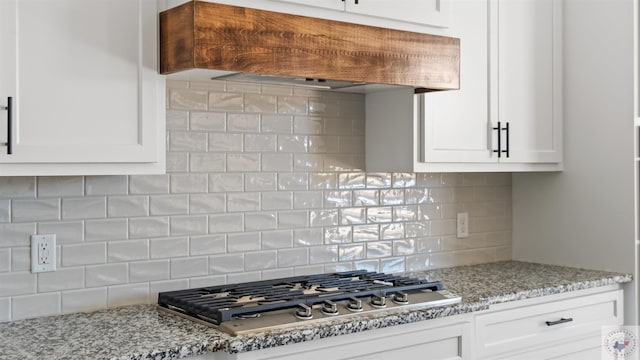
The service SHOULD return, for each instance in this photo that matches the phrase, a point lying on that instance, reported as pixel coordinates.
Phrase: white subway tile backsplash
(243, 242)
(61, 279)
(259, 143)
(262, 181)
(260, 221)
(5, 309)
(168, 204)
(224, 142)
(187, 99)
(225, 101)
(18, 283)
(17, 187)
(110, 274)
(188, 183)
(60, 186)
(259, 103)
(243, 202)
(171, 247)
(277, 162)
(187, 141)
(293, 257)
(67, 232)
(279, 124)
(225, 264)
(188, 225)
(293, 219)
(208, 121)
(5, 211)
(35, 210)
(323, 254)
(207, 203)
(177, 162)
(243, 162)
(83, 254)
(378, 249)
(5, 260)
(129, 250)
(21, 259)
(281, 200)
(84, 300)
(262, 260)
(105, 185)
(127, 206)
(277, 239)
(148, 227)
(121, 295)
(84, 208)
(366, 232)
(16, 234)
(392, 231)
(208, 244)
(226, 223)
(308, 199)
(177, 120)
(35, 305)
(293, 181)
(226, 182)
(292, 105)
(207, 162)
(202, 281)
(308, 237)
(149, 271)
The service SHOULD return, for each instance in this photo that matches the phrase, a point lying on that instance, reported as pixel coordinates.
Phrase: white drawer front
(516, 330)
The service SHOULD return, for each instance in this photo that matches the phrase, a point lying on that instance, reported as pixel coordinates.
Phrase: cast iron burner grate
(217, 304)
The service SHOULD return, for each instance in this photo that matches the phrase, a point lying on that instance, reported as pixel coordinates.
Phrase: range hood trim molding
(205, 35)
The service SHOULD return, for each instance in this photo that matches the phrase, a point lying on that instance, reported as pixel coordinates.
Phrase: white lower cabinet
(551, 327)
(438, 339)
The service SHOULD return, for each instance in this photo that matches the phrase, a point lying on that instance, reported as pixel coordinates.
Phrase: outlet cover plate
(43, 253)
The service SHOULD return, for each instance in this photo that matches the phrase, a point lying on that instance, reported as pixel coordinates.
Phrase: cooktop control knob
(354, 304)
(303, 312)
(329, 308)
(378, 301)
(400, 297)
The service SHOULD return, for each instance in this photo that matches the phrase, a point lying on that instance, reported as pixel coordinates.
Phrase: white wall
(584, 216)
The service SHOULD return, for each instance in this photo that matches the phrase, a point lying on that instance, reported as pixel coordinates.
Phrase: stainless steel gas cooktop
(288, 302)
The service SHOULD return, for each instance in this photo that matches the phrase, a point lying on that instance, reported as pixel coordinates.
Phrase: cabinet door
(82, 74)
(329, 4)
(529, 84)
(435, 13)
(456, 123)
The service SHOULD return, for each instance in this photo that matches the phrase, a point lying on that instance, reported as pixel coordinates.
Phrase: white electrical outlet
(43, 253)
(463, 225)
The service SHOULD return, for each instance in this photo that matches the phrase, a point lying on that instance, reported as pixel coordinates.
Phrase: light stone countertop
(144, 332)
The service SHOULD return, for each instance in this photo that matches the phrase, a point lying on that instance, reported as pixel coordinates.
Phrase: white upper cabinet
(529, 81)
(507, 115)
(434, 13)
(87, 97)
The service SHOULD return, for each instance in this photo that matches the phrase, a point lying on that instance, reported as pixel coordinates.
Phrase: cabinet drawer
(528, 327)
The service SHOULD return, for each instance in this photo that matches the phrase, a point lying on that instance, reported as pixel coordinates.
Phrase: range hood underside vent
(204, 35)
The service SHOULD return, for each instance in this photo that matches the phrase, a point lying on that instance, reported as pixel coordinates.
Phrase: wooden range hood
(205, 35)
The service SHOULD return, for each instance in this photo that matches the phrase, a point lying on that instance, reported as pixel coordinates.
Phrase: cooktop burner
(238, 308)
